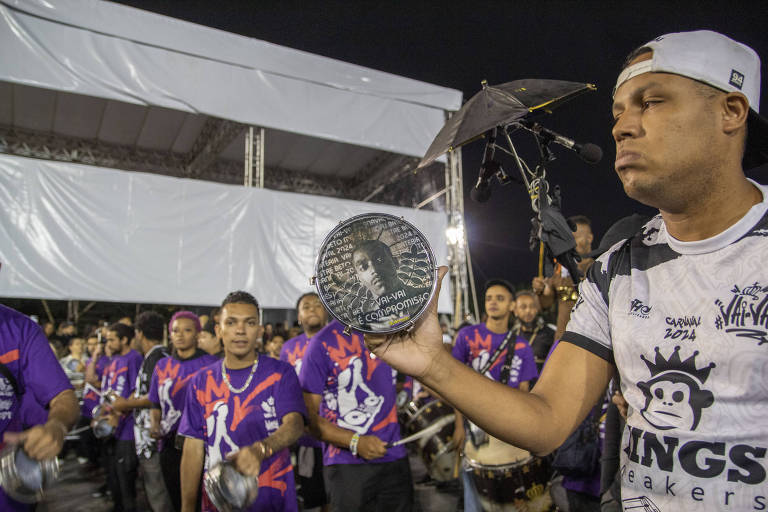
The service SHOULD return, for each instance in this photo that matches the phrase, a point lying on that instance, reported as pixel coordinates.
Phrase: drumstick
(430, 430)
(456, 464)
(541, 259)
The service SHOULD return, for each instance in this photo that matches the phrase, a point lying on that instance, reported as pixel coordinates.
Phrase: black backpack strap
(6, 372)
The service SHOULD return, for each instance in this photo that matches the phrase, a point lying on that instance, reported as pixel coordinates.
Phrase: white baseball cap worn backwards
(718, 61)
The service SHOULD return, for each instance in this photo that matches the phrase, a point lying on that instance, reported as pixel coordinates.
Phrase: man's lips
(625, 158)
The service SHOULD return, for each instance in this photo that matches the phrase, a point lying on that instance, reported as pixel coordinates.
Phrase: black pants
(125, 466)
(170, 463)
(87, 446)
(311, 488)
(384, 487)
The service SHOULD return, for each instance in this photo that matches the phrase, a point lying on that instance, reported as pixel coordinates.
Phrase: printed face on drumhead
(375, 267)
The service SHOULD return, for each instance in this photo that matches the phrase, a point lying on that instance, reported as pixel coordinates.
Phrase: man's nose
(626, 126)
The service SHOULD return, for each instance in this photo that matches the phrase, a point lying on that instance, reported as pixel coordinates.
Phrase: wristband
(353, 443)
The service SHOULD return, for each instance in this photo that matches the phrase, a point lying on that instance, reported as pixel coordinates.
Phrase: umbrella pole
(541, 258)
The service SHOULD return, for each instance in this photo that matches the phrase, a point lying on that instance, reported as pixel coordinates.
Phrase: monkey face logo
(674, 396)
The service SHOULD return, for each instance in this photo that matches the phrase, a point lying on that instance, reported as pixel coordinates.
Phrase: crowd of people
(315, 417)
(645, 391)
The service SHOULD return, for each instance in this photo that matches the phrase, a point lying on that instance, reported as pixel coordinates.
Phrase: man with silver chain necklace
(246, 408)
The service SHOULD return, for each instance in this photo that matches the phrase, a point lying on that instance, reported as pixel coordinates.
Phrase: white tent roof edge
(106, 50)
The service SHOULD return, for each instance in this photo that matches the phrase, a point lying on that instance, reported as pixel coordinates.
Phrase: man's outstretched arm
(539, 421)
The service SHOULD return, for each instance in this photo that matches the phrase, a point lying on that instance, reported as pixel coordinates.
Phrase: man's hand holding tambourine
(416, 351)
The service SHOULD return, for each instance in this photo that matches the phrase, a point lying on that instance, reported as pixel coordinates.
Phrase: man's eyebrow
(637, 92)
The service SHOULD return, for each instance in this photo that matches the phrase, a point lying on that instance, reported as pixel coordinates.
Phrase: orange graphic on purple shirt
(113, 374)
(296, 353)
(391, 418)
(279, 468)
(10, 356)
(478, 345)
(212, 393)
(241, 410)
(348, 349)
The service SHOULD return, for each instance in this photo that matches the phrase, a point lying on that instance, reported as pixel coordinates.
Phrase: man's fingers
(441, 271)
(14, 437)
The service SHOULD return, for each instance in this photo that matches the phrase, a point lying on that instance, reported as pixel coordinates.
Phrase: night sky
(458, 44)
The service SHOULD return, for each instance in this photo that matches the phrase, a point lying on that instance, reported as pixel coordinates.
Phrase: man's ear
(735, 109)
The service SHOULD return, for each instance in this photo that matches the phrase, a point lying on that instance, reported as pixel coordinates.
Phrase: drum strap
(497, 353)
(504, 377)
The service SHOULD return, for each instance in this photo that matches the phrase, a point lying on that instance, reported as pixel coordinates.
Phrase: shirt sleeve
(314, 368)
(40, 370)
(589, 326)
(459, 350)
(152, 395)
(289, 396)
(528, 369)
(192, 419)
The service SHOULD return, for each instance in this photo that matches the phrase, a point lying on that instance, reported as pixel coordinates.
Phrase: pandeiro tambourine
(376, 273)
(24, 478)
(228, 489)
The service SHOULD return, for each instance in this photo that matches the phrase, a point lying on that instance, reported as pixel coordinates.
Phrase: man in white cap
(679, 310)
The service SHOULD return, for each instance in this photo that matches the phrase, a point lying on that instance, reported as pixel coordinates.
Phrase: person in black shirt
(532, 327)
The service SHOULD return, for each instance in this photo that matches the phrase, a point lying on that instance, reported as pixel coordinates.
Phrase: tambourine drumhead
(376, 273)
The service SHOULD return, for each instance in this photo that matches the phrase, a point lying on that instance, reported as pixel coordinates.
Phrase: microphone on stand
(481, 192)
(590, 153)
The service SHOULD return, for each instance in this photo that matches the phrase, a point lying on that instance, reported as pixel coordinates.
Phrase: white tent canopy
(108, 51)
(93, 72)
(73, 231)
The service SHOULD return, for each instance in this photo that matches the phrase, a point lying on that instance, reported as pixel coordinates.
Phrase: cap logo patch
(737, 79)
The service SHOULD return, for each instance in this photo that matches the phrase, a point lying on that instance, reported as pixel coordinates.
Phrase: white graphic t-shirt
(687, 326)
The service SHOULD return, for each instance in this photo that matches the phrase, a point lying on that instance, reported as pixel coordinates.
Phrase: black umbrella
(500, 105)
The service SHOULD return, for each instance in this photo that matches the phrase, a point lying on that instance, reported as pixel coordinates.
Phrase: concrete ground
(73, 492)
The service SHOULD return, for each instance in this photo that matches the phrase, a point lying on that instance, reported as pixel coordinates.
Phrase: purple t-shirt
(120, 377)
(358, 393)
(292, 353)
(475, 345)
(227, 421)
(25, 351)
(168, 387)
(90, 397)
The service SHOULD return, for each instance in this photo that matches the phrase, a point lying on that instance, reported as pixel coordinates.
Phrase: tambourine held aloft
(228, 489)
(24, 478)
(376, 273)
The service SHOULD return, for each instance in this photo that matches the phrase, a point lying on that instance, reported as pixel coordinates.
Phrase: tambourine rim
(405, 325)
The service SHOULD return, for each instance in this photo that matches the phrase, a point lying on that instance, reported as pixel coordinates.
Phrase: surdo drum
(376, 273)
(24, 478)
(507, 478)
(437, 451)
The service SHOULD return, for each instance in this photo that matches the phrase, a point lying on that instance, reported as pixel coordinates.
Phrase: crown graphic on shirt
(674, 363)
